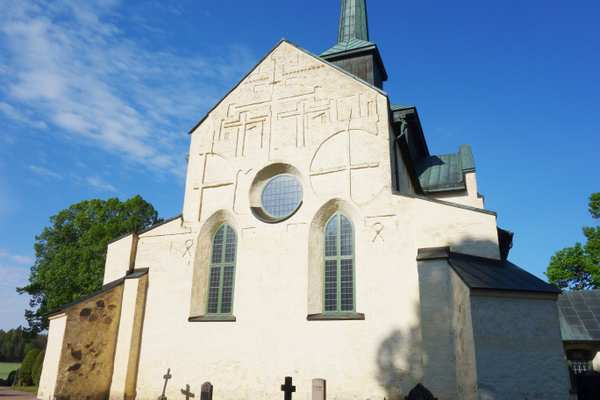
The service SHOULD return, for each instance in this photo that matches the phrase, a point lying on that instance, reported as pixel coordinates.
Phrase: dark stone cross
(420, 392)
(288, 388)
(188, 395)
(166, 377)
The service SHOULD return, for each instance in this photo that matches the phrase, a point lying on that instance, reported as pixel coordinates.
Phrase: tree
(70, 254)
(26, 369)
(578, 267)
(15, 343)
(36, 370)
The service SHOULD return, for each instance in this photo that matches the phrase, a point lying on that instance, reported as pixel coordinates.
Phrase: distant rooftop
(579, 314)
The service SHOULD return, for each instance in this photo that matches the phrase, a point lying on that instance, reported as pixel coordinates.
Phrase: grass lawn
(7, 368)
(28, 389)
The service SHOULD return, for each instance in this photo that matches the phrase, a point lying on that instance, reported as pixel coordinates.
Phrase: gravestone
(288, 388)
(420, 392)
(206, 391)
(166, 377)
(187, 393)
(319, 389)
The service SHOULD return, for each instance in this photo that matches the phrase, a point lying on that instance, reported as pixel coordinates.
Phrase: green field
(6, 368)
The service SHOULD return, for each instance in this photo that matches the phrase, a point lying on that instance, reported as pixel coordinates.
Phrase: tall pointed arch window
(339, 265)
(222, 271)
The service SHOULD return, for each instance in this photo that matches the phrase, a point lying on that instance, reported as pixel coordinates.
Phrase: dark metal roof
(490, 274)
(481, 273)
(446, 172)
(579, 314)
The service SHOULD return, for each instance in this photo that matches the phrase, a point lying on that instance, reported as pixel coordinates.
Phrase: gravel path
(7, 394)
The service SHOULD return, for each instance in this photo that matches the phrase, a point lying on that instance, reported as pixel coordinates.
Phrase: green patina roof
(446, 172)
(354, 29)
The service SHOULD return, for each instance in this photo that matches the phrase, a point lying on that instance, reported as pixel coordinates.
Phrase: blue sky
(96, 98)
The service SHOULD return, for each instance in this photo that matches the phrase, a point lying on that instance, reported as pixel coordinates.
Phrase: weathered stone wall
(464, 346)
(518, 348)
(86, 363)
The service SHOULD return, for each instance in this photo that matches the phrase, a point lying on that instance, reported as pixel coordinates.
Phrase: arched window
(222, 271)
(339, 265)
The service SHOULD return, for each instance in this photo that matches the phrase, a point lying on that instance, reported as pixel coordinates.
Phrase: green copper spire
(353, 21)
(353, 32)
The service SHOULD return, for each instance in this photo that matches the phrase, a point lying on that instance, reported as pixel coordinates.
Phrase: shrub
(12, 378)
(36, 371)
(25, 372)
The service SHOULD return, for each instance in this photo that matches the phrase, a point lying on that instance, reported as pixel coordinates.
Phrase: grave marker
(206, 391)
(288, 388)
(166, 377)
(319, 389)
(187, 393)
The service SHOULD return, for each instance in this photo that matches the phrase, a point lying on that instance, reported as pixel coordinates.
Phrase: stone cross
(288, 388)
(188, 395)
(206, 391)
(166, 377)
(319, 389)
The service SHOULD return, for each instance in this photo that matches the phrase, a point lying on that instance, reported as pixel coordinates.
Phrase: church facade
(319, 239)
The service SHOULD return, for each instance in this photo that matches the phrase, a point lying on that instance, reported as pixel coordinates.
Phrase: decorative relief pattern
(279, 105)
(337, 156)
(288, 104)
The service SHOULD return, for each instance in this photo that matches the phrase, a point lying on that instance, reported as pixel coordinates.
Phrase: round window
(281, 196)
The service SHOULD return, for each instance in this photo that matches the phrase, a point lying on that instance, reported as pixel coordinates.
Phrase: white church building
(319, 239)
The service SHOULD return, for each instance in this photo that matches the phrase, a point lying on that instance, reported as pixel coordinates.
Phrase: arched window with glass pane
(339, 265)
(222, 271)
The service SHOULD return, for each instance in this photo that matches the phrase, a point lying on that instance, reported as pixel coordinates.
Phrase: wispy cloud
(8, 257)
(98, 183)
(20, 117)
(45, 172)
(69, 63)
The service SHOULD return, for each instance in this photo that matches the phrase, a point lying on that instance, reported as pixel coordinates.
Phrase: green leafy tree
(70, 254)
(578, 267)
(36, 370)
(26, 370)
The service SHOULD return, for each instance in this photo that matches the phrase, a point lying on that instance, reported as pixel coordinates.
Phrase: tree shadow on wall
(400, 362)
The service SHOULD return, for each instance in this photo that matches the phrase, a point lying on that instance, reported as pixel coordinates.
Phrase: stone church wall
(86, 361)
(295, 113)
(518, 345)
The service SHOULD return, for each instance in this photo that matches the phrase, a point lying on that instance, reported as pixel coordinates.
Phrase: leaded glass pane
(222, 271)
(213, 289)
(230, 245)
(331, 237)
(217, 250)
(282, 196)
(339, 265)
(347, 285)
(331, 285)
(346, 237)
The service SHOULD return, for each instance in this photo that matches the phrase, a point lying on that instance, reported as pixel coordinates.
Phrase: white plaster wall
(119, 258)
(124, 339)
(295, 109)
(518, 349)
(56, 333)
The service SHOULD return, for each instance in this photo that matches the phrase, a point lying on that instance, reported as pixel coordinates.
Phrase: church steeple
(353, 51)
(353, 21)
